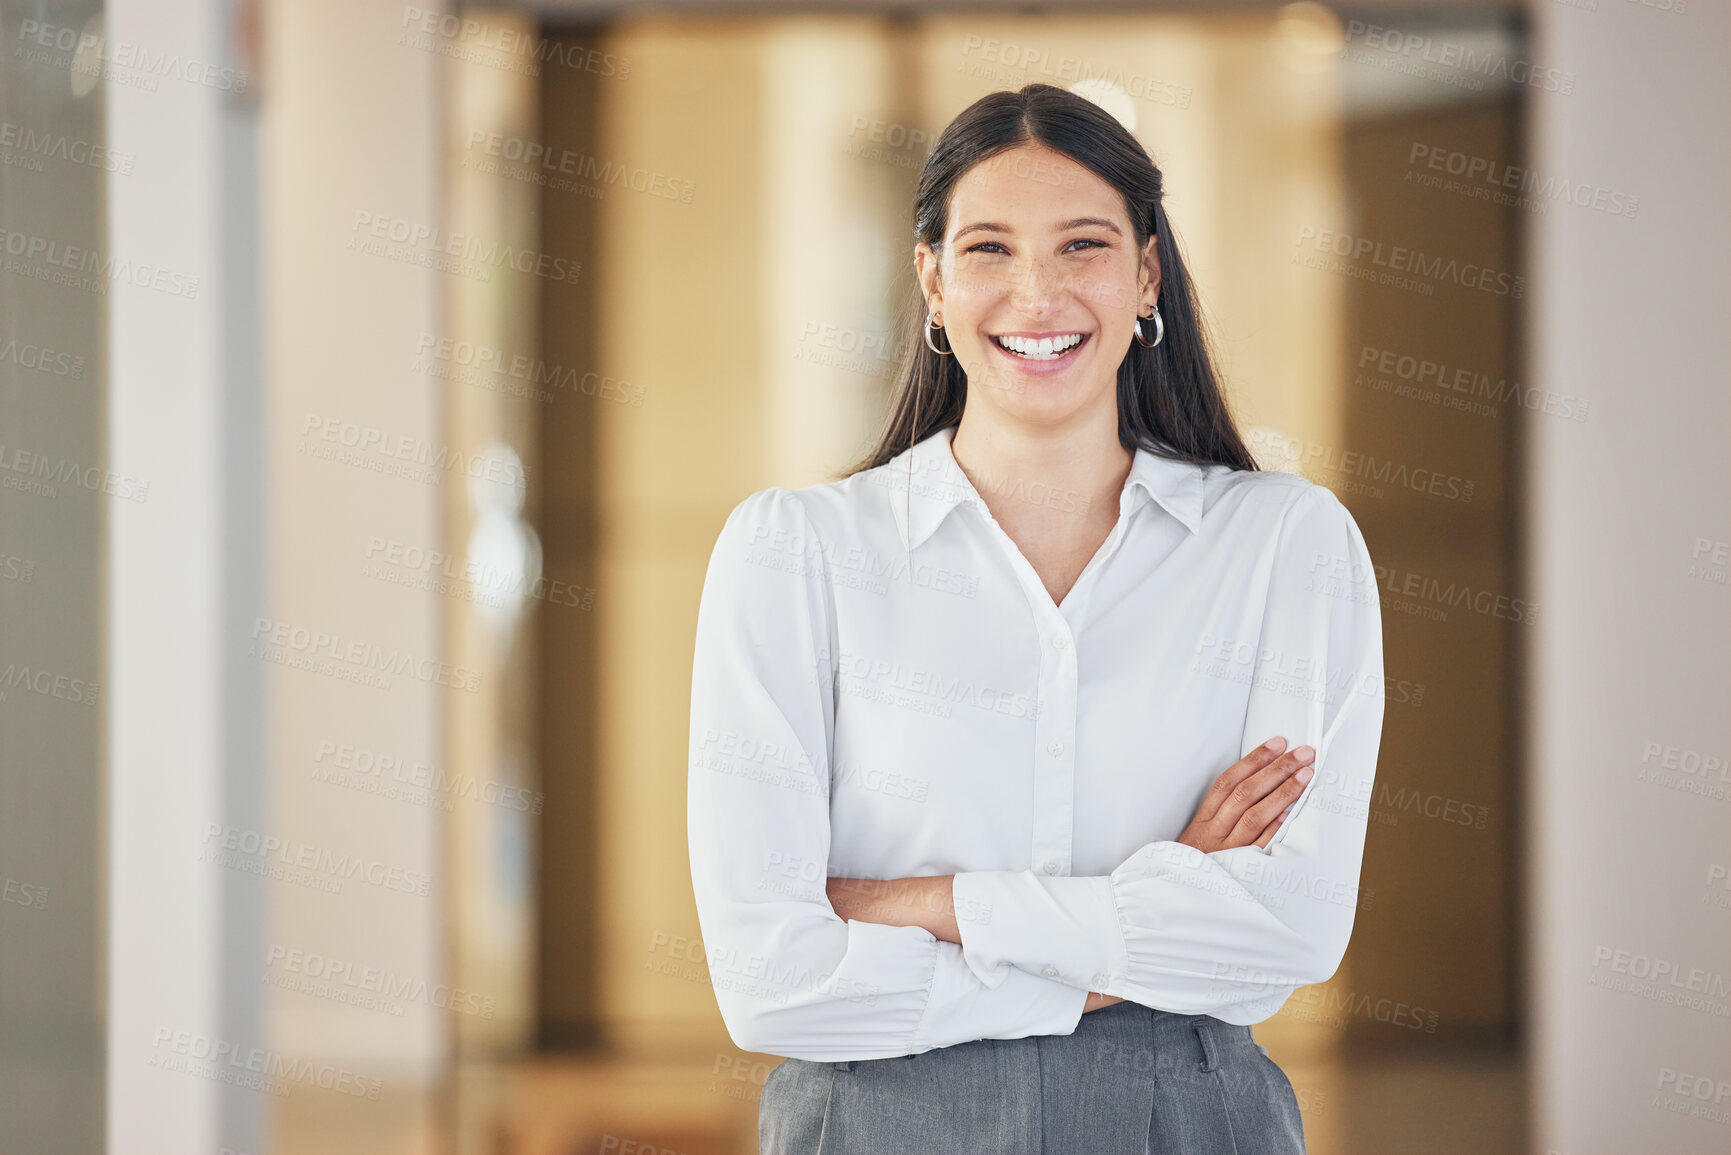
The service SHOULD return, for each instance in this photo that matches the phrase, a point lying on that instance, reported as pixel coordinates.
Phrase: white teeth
(1045, 349)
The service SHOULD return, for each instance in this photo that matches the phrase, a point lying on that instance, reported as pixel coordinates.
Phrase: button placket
(1054, 787)
(1055, 740)
(1055, 732)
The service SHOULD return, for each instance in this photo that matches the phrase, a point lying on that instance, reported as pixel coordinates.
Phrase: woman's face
(1038, 285)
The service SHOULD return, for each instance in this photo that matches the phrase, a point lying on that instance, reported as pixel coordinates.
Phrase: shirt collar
(926, 484)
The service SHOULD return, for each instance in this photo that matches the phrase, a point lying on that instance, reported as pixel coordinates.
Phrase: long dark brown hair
(1169, 399)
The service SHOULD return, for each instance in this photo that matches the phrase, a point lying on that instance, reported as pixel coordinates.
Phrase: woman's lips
(1042, 367)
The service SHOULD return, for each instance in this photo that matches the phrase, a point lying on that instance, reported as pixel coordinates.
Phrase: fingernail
(1305, 774)
(1274, 743)
(1305, 753)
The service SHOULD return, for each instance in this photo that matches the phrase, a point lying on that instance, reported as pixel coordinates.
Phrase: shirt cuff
(1057, 927)
(1021, 1005)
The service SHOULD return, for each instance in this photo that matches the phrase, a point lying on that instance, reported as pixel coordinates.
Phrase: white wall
(167, 575)
(1631, 646)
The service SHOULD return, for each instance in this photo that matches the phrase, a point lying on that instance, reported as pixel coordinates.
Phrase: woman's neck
(1020, 470)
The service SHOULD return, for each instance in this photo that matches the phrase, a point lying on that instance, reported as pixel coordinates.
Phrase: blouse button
(1055, 749)
(1050, 972)
(1059, 641)
(1051, 868)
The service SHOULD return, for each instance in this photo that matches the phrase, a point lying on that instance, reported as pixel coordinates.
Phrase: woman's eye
(994, 245)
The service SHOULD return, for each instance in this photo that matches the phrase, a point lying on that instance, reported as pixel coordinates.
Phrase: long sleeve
(1233, 933)
(790, 976)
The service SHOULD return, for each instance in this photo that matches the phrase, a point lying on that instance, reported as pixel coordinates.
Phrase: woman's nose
(1036, 282)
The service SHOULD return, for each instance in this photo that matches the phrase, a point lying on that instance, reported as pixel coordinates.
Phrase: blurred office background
(374, 379)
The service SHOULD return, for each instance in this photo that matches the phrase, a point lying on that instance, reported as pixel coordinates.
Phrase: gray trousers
(1130, 1081)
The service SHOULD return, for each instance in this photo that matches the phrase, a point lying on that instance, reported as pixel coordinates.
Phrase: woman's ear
(1151, 272)
(926, 270)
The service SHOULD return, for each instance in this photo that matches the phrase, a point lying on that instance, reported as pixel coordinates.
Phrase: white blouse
(882, 687)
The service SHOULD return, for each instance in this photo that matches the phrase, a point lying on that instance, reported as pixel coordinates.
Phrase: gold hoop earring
(928, 333)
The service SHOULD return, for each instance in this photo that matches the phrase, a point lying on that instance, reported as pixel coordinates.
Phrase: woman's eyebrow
(1078, 223)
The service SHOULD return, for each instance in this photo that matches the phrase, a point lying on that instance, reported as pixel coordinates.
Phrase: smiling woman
(1058, 937)
(1019, 241)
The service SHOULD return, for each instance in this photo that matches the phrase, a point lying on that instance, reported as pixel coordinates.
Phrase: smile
(1053, 348)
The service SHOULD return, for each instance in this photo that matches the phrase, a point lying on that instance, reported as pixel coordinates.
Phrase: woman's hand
(925, 902)
(1247, 803)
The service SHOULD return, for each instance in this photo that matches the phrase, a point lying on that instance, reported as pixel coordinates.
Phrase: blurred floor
(1467, 1100)
(1450, 1101)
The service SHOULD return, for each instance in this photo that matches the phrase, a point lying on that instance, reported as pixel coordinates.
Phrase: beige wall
(683, 282)
(351, 119)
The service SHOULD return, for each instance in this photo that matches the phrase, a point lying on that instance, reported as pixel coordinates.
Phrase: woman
(984, 836)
